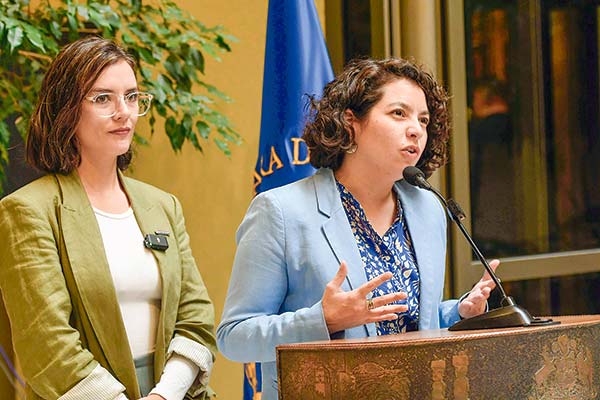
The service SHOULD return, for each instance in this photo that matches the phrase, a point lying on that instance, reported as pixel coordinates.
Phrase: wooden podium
(549, 362)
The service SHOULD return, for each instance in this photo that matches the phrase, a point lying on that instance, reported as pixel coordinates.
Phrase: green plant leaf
(4, 140)
(160, 30)
(140, 140)
(72, 18)
(197, 59)
(225, 36)
(4, 134)
(222, 43)
(187, 123)
(146, 73)
(222, 146)
(8, 21)
(14, 37)
(83, 11)
(161, 110)
(173, 130)
(229, 135)
(146, 55)
(171, 48)
(203, 129)
(173, 67)
(55, 29)
(213, 90)
(98, 19)
(34, 36)
(138, 30)
(127, 39)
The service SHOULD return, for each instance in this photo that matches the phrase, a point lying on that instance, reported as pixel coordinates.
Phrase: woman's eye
(425, 121)
(102, 98)
(132, 97)
(399, 113)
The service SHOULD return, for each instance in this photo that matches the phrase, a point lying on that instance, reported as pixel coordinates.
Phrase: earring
(352, 149)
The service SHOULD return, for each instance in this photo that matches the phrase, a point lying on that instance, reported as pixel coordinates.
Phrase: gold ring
(370, 304)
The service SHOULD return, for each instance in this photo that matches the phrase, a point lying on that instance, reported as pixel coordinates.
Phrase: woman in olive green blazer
(59, 293)
(56, 283)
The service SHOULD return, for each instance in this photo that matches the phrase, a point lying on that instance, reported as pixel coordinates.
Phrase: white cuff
(99, 385)
(177, 378)
(198, 354)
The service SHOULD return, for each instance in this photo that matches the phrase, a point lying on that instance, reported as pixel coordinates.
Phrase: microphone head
(414, 176)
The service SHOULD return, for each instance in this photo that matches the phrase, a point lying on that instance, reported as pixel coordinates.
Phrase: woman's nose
(415, 130)
(122, 111)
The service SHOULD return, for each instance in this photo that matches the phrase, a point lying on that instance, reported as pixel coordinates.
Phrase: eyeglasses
(107, 104)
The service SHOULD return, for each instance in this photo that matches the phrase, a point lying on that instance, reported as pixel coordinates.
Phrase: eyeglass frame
(93, 98)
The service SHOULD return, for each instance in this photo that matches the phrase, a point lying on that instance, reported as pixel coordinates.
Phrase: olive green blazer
(59, 293)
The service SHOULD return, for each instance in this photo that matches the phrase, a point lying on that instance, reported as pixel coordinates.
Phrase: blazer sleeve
(194, 336)
(195, 314)
(449, 313)
(38, 304)
(254, 320)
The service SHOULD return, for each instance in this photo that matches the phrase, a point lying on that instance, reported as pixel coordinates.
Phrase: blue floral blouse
(393, 252)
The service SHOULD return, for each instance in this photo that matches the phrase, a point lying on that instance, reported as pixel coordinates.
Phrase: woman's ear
(349, 116)
(352, 121)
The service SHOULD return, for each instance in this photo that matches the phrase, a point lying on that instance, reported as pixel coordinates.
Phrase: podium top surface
(542, 362)
(441, 335)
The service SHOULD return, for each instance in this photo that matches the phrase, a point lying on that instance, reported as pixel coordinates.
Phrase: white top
(137, 282)
(135, 275)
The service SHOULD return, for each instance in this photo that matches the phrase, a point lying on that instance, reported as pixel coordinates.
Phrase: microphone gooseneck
(416, 177)
(509, 314)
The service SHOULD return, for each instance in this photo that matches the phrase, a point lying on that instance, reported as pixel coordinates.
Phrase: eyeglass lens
(107, 104)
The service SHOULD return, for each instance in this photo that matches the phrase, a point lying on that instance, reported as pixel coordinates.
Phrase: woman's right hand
(343, 310)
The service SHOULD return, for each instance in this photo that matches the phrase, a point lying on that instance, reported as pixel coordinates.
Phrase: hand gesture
(343, 310)
(475, 303)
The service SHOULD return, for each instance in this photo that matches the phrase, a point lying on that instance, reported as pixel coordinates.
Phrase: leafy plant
(169, 44)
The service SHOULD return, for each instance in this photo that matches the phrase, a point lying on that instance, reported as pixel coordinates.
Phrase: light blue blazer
(290, 245)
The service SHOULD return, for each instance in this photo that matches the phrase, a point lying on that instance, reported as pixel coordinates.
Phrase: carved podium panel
(551, 362)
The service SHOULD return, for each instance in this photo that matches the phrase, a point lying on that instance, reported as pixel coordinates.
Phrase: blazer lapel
(415, 215)
(152, 218)
(338, 233)
(87, 260)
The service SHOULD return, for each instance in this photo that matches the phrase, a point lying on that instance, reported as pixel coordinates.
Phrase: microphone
(509, 314)
(416, 177)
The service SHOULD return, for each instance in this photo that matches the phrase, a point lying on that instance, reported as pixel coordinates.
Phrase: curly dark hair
(329, 134)
(51, 142)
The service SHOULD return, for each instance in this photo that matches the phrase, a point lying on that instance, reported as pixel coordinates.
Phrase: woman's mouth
(411, 150)
(120, 131)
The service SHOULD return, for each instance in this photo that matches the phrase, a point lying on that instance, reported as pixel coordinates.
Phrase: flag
(296, 64)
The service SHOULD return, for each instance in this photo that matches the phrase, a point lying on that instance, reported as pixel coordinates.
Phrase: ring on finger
(370, 304)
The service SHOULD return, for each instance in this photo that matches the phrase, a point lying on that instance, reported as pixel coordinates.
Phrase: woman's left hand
(475, 303)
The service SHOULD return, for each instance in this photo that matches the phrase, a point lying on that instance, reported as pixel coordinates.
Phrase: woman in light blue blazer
(352, 251)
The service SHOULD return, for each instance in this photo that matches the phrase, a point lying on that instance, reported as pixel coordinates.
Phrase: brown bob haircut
(51, 142)
(329, 134)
